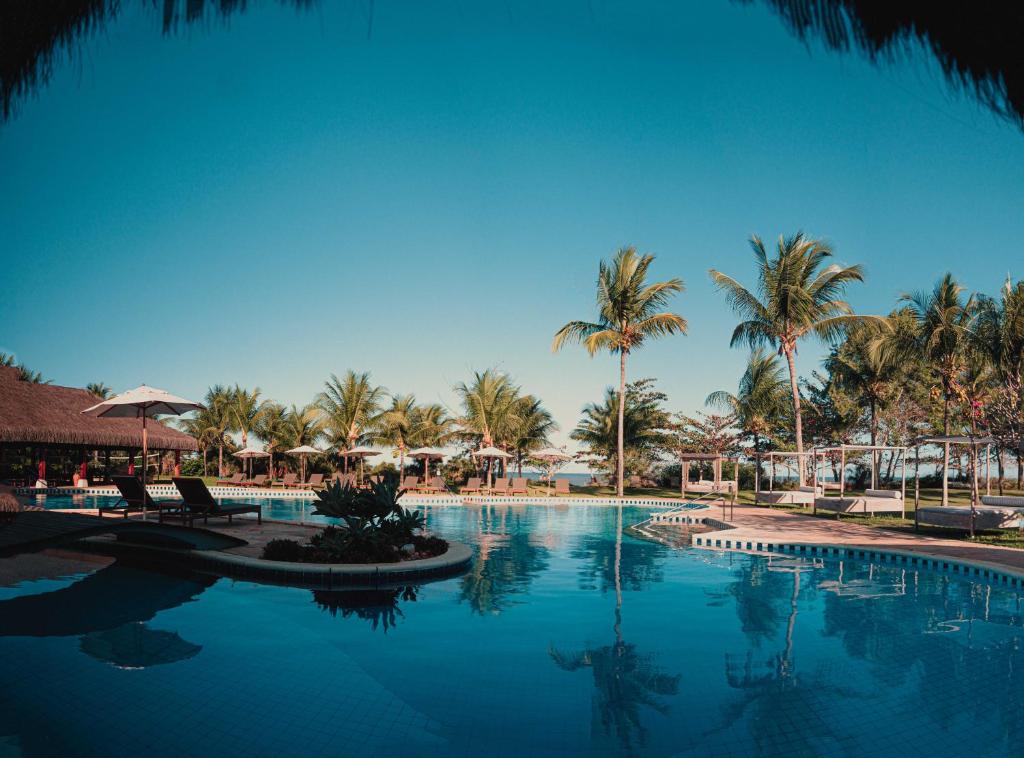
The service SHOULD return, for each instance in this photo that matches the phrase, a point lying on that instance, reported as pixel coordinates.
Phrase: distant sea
(577, 479)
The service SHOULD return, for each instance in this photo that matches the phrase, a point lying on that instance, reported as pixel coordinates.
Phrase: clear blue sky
(275, 198)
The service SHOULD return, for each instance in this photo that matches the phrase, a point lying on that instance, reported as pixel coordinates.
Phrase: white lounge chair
(872, 501)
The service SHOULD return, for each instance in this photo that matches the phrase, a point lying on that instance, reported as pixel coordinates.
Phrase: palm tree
(628, 315)
(99, 389)
(396, 426)
(219, 420)
(870, 365)
(203, 426)
(760, 402)
(643, 422)
(797, 295)
(491, 412)
(944, 338)
(352, 407)
(25, 374)
(431, 426)
(245, 410)
(303, 426)
(534, 426)
(944, 333)
(272, 428)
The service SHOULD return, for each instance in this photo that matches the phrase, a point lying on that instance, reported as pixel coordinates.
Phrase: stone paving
(792, 527)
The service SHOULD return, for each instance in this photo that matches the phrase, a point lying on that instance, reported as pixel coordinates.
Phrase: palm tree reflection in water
(380, 607)
(775, 695)
(624, 680)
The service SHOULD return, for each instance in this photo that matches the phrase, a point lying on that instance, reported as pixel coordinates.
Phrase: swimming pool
(561, 639)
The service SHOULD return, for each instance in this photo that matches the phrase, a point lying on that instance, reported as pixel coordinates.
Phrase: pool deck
(783, 527)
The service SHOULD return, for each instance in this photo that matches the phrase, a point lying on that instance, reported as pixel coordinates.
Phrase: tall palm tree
(797, 295)
(431, 426)
(759, 404)
(628, 315)
(944, 337)
(352, 407)
(396, 426)
(945, 322)
(99, 389)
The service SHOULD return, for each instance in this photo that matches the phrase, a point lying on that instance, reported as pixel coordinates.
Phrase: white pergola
(822, 452)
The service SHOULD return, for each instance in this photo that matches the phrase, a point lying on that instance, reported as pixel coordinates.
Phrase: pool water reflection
(562, 638)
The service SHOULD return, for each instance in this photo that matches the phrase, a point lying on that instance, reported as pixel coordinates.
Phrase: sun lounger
(289, 480)
(500, 486)
(198, 503)
(705, 485)
(800, 496)
(260, 480)
(315, 482)
(136, 499)
(233, 481)
(872, 501)
(410, 483)
(519, 487)
(994, 512)
(436, 484)
(562, 487)
(471, 486)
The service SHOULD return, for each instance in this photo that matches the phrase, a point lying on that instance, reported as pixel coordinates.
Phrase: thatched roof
(50, 415)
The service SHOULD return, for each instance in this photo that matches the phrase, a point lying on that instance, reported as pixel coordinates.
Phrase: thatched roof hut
(48, 415)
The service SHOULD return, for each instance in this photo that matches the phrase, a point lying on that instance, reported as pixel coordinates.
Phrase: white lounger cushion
(1009, 501)
(805, 488)
(883, 493)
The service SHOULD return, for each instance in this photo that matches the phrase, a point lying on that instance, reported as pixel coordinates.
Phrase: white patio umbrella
(361, 453)
(427, 454)
(143, 402)
(302, 451)
(248, 453)
(490, 452)
(551, 456)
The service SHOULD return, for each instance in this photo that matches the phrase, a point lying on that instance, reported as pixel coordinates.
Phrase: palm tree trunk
(757, 465)
(220, 460)
(874, 440)
(621, 463)
(206, 456)
(796, 415)
(945, 446)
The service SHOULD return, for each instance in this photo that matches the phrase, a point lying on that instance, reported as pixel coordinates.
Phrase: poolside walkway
(778, 526)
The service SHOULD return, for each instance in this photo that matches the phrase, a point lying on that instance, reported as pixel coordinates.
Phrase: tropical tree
(643, 430)
(303, 426)
(431, 426)
(25, 374)
(760, 402)
(533, 429)
(629, 314)
(218, 415)
(272, 428)
(245, 410)
(99, 389)
(944, 334)
(395, 426)
(944, 338)
(490, 409)
(203, 427)
(999, 335)
(797, 295)
(352, 409)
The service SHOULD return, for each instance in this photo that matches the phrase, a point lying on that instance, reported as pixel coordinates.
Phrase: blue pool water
(562, 639)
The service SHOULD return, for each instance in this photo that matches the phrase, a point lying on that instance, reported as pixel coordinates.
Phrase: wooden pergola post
(917, 486)
(903, 477)
(684, 472)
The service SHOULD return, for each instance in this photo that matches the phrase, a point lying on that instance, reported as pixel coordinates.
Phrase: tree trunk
(875, 463)
(1000, 471)
(621, 463)
(1020, 472)
(220, 460)
(796, 415)
(945, 446)
(206, 455)
(757, 466)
